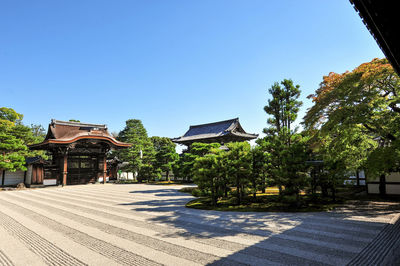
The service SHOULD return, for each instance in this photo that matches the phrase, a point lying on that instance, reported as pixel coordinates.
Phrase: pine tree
(12, 149)
(141, 155)
(282, 109)
(165, 154)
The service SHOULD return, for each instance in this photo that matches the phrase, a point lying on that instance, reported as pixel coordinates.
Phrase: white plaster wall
(373, 179)
(122, 176)
(50, 182)
(393, 177)
(393, 189)
(373, 188)
(126, 176)
(14, 178)
(100, 179)
(130, 176)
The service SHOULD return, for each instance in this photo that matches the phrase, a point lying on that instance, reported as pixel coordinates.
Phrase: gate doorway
(82, 169)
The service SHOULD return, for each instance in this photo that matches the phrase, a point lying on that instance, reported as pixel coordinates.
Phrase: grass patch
(168, 182)
(126, 182)
(189, 190)
(266, 203)
(271, 202)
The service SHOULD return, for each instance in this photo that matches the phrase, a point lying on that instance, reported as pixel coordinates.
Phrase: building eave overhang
(380, 18)
(46, 143)
(242, 137)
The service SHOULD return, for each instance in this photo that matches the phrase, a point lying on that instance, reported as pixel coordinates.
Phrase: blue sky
(170, 63)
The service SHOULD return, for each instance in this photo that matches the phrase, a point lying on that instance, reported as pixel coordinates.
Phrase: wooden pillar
(65, 167)
(40, 174)
(34, 175)
(25, 176)
(382, 185)
(104, 169)
(358, 178)
(3, 178)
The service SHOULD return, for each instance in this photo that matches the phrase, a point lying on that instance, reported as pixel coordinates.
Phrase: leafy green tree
(209, 174)
(365, 100)
(260, 165)
(38, 132)
(282, 109)
(272, 146)
(239, 167)
(343, 151)
(141, 155)
(165, 154)
(12, 149)
(294, 168)
(183, 168)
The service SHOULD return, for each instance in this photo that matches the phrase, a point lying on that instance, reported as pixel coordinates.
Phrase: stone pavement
(148, 225)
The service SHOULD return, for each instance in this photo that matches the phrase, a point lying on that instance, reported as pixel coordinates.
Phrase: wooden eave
(45, 144)
(381, 18)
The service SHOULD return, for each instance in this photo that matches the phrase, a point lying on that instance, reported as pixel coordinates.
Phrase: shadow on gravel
(288, 238)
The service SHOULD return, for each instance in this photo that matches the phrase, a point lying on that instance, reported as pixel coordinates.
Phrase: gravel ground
(148, 225)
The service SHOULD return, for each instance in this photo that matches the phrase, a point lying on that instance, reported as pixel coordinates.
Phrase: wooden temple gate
(78, 151)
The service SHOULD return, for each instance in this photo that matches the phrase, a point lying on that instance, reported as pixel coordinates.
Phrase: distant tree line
(14, 138)
(353, 124)
(148, 157)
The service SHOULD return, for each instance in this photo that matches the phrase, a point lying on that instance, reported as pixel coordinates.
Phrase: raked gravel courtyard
(143, 224)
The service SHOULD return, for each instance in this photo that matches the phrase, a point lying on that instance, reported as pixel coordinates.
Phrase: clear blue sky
(170, 63)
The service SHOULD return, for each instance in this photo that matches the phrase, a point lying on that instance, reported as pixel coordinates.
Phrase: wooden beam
(65, 167)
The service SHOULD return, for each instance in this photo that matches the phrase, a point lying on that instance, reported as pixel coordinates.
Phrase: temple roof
(223, 131)
(65, 132)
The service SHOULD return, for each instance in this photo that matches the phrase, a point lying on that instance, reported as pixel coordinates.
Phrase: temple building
(219, 132)
(78, 152)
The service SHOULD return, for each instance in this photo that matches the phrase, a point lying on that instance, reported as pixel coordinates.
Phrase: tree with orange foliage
(358, 112)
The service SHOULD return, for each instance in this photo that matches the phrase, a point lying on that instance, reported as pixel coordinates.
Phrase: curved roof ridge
(227, 130)
(76, 124)
(212, 123)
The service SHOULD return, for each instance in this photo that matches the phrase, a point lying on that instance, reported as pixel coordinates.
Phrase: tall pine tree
(141, 155)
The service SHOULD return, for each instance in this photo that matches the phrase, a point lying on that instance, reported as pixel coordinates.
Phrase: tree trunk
(382, 185)
(225, 186)
(238, 189)
(167, 175)
(324, 190)
(263, 184)
(214, 200)
(3, 177)
(358, 178)
(255, 188)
